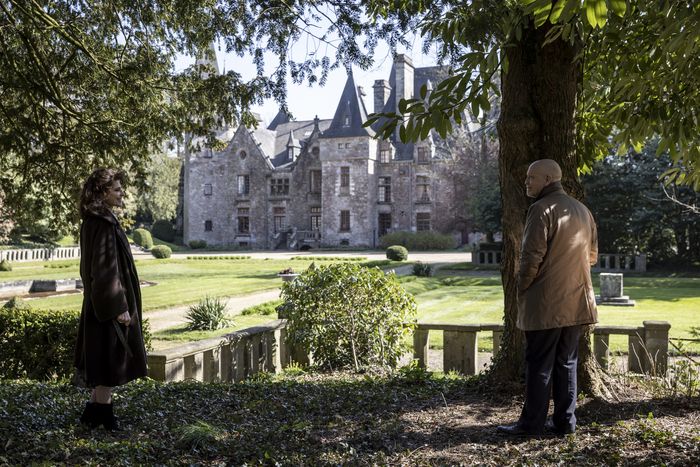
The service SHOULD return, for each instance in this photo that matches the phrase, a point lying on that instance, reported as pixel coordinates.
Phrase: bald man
(555, 298)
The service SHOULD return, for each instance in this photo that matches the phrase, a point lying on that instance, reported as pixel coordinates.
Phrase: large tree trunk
(537, 121)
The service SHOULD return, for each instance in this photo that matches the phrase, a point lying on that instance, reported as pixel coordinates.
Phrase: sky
(306, 102)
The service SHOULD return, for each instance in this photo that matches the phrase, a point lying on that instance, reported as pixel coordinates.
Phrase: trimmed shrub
(5, 265)
(208, 315)
(418, 240)
(197, 244)
(40, 344)
(161, 251)
(348, 316)
(397, 253)
(163, 230)
(142, 238)
(422, 269)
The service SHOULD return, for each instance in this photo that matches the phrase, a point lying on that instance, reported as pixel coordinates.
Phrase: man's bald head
(540, 174)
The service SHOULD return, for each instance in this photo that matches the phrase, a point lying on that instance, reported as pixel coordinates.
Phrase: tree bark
(537, 121)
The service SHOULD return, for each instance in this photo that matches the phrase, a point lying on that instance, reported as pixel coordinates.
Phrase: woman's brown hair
(95, 189)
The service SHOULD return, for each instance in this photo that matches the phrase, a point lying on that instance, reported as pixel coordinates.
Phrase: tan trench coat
(560, 243)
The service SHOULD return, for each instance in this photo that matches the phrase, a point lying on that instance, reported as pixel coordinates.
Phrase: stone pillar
(210, 367)
(255, 354)
(420, 347)
(497, 337)
(656, 343)
(226, 362)
(193, 366)
(640, 263)
(156, 367)
(459, 351)
(239, 360)
(636, 356)
(601, 349)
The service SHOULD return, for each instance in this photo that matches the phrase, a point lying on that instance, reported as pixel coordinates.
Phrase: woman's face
(115, 195)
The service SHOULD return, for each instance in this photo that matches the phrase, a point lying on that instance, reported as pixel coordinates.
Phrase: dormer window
(346, 120)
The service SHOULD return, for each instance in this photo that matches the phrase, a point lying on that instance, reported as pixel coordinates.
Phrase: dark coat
(560, 243)
(111, 286)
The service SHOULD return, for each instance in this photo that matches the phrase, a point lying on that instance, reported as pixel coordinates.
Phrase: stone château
(325, 182)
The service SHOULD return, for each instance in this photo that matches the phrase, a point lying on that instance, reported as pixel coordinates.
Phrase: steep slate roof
(274, 143)
(352, 105)
(280, 118)
(421, 76)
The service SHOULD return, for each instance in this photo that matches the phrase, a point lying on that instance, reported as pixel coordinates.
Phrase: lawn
(474, 299)
(462, 295)
(178, 281)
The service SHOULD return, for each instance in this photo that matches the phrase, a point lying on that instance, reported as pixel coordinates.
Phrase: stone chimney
(403, 69)
(382, 90)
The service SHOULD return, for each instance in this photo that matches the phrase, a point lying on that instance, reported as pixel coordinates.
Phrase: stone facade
(324, 183)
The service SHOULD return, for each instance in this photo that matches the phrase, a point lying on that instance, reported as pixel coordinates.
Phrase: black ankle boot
(106, 418)
(89, 415)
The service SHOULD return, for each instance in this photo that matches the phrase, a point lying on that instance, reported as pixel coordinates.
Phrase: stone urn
(288, 276)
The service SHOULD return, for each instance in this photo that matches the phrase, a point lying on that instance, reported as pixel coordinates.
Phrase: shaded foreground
(412, 418)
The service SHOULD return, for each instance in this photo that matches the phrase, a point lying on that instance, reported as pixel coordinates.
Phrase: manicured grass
(479, 299)
(178, 281)
(475, 297)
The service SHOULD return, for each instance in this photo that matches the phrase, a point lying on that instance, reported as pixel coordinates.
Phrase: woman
(110, 349)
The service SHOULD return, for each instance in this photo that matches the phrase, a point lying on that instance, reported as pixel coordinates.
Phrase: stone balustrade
(647, 346)
(620, 263)
(231, 358)
(241, 354)
(460, 350)
(606, 262)
(39, 254)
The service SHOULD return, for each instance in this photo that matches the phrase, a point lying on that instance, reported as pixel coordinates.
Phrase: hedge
(142, 237)
(163, 230)
(397, 253)
(418, 240)
(40, 344)
(161, 251)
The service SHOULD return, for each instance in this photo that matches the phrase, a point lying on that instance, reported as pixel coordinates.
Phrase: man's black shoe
(515, 429)
(549, 427)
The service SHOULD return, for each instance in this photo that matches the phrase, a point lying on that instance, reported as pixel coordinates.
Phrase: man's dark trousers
(551, 356)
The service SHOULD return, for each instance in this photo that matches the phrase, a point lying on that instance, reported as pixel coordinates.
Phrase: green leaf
(601, 12)
(589, 6)
(402, 134)
(618, 6)
(556, 10)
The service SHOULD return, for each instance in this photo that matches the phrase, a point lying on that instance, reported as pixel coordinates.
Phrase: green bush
(207, 315)
(418, 240)
(197, 244)
(163, 230)
(161, 251)
(142, 238)
(5, 265)
(348, 316)
(40, 344)
(422, 269)
(397, 253)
